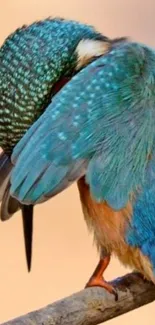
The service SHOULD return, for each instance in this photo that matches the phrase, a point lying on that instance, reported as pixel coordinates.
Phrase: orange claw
(98, 280)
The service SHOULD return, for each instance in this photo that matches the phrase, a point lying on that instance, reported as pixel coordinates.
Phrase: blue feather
(109, 124)
(141, 233)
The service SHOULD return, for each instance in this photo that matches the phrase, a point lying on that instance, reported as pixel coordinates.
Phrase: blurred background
(63, 252)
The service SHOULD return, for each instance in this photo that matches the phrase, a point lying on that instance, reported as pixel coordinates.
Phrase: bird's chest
(109, 226)
(110, 229)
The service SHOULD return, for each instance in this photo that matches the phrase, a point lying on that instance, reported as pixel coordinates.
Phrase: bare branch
(93, 306)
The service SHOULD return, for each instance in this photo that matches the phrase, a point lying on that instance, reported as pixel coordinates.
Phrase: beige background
(63, 254)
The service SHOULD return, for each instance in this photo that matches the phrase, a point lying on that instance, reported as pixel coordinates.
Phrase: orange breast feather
(109, 228)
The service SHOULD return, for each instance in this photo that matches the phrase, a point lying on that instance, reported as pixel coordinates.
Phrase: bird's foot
(100, 282)
(97, 279)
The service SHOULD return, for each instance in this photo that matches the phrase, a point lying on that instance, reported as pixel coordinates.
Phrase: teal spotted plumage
(105, 132)
(108, 125)
(35, 61)
(32, 60)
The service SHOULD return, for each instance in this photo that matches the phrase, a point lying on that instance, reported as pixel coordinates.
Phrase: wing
(141, 233)
(100, 124)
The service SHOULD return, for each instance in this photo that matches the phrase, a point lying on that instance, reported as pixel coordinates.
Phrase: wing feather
(102, 119)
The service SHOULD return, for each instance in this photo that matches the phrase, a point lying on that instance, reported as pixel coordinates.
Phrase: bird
(35, 62)
(102, 137)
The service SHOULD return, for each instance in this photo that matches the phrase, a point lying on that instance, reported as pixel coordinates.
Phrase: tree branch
(93, 306)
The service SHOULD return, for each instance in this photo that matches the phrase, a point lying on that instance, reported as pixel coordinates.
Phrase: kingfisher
(99, 131)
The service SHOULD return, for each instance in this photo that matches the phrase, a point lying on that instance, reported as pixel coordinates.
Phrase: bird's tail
(10, 205)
